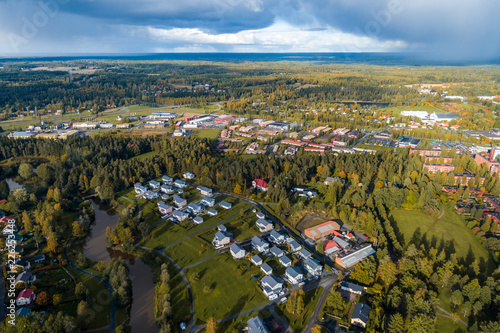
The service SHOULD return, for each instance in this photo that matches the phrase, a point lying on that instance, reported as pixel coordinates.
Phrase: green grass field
(190, 251)
(232, 288)
(207, 133)
(448, 325)
(449, 228)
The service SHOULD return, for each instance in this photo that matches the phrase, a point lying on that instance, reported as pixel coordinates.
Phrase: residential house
(165, 197)
(150, 195)
(180, 184)
(237, 251)
(260, 184)
(313, 267)
(260, 215)
(21, 263)
(205, 191)
(294, 245)
(154, 184)
(221, 239)
(180, 191)
(25, 277)
(277, 252)
(271, 285)
(139, 189)
(225, 205)
(222, 227)
(164, 208)
(256, 325)
(207, 202)
(304, 191)
(195, 208)
(351, 287)
(304, 254)
(188, 175)
(212, 212)
(167, 180)
(259, 244)
(285, 261)
(294, 275)
(256, 260)
(360, 315)
(266, 269)
(198, 220)
(354, 255)
(322, 230)
(18, 250)
(276, 237)
(25, 297)
(179, 201)
(264, 225)
(167, 189)
(180, 215)
(331, 180)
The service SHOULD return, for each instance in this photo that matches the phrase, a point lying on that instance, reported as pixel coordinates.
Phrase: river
(142, 317)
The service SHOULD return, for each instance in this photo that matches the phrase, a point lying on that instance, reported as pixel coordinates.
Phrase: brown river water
(142, 317)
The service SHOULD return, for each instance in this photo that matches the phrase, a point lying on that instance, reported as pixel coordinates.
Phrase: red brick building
(439, 167)
(493, 166)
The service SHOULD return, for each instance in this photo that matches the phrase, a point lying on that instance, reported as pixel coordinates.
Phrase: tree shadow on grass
(224, 326)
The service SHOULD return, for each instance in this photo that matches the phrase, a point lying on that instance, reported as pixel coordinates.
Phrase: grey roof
(353, 257)
(203, 188)
(294, 244)
(256, 259)
(177, 199)
(194, 206)
(361, 312)
(220, 235)
(225, 204)
(198, 219)
(294, 272)
(256, 325)
(257, 241)
(24, 277)
(313, 264)
(235, 248)
(342, 243)
(285, 260)
(272, 281)
(212, 211)
(23, 312)
(221, 227)
(276, 251)
(263, 222)
(266, 268)
(276, 235)
(304, 253)
(352, 286)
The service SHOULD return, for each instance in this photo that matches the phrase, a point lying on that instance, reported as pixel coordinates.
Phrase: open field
(207, 133)
(190, 251)
(232, 288)
(448, 325)
(449, 231)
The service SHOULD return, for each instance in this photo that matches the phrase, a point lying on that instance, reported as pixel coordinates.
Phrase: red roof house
(330, 246)
(260, 184)
(25, 297)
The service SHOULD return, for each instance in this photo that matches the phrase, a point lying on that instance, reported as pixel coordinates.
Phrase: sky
(441, 29)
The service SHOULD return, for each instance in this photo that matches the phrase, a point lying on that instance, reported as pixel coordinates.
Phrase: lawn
(190, 251)
(395, 111)
(448, 325)
(207, 133)
(449, 231)
(232, 288)
(299, 322)
(240, 322)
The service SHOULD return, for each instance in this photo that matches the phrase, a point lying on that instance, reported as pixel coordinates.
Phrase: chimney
(492, 153)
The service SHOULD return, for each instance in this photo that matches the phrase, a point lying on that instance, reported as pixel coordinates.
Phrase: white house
(351, 287)
(276, 237)
(266, 269)
(179, 201)
(294, 245)
(154, 184)
(304, 254)
(264, 225)
(139, 189)
(313, 267)
(195, 208)
(285, 261)
(198, 220)
(25, 297)
(237, 251)
(167, 179)
(294, 275)
(212, 212)
(207, 202)
(259, 244)
(360, 315)
(151, 195)
(256, 260)
(225, 205)
(271, 285)
(221, 239)
(277, 252)
(188, 175)
(180, 215)
(260, 215)
(205, 191)
(167, 189)
(180, 184)
(164, 208)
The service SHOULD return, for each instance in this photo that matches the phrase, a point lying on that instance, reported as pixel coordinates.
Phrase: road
(106, 283)
(327, 284)
(448, 315)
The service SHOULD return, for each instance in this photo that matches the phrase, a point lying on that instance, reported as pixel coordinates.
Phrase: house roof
(212, 211)
(257, 241)
(294, 244)
(276, 235)
(340, 242)
(322, 230)
(263, 222)
(256, 325)
(224, 203)
(260, 182)
(198, 219)
(285, 260)
(276, 251)
(24, 277)
(361, 312)
(26, 293)
(256, 259)
(305, 253)
(352, 286)
(220, 235)
(272, 281)
(294, 272)
(330, 246)
(312, 264)
(266, 268)
(235, 248)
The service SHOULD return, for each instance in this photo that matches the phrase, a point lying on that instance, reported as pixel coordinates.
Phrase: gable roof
(272, 281)
(330, 246)
(322, 230)
(361, 312)
(294, 272)
(285, 260)
(235, 248)
(352, 286)
(305, 253)
(266, 268)
(276, 251)
(260, 182)
(256, 259)
(26, 293)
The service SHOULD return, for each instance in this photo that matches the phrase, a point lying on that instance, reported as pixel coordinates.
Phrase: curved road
(106, 283)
